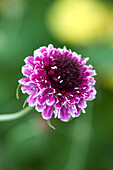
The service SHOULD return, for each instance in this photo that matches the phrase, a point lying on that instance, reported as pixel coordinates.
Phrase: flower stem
(14, 116)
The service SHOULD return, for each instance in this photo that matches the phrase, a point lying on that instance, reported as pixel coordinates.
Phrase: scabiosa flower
(58, 82)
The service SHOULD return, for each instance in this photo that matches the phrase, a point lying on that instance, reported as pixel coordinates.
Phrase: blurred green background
(85, 26)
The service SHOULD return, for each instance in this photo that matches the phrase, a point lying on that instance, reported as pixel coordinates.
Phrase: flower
(58, 82)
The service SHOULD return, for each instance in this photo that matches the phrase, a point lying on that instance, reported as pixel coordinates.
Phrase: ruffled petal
(24, 81)
(82, 103)
(72, 109)
(26, 71)
(32, 99)
(50, 101)
(41, 100)
(29, 61)
(40, 108)
(26, 89)
(77, 113)
(47, 112)
(64, 115)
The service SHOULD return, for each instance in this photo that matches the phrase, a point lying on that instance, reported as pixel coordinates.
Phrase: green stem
(14, 116)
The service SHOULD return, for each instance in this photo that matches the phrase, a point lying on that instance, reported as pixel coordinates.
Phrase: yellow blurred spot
(79, 22)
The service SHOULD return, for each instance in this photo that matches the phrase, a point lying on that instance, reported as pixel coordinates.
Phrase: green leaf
(25, 102)
(50, 125)
(17, 91)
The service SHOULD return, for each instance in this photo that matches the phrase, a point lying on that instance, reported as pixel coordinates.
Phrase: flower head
(58, 82)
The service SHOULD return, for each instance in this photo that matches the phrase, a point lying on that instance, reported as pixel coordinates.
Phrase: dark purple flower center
(64, 74)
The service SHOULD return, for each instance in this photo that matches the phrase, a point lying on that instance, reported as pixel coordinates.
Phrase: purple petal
(56, 112)
(64, 115)
(39, 51)
(60, 101)
(93, 73)
(58, 105)
(24, 81)
(84, 60)
(83, 110)
(32, 99)
(41, 100)
(46, 91)
(50, 101)
(35, 77)
(26, 89)
(77, 113)
(41, 71)
(40, 108)
(92, 93)
(26, 71)
(29, 60)
(47, 112)
(82, 103)
(92, 81)
(72, 109)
